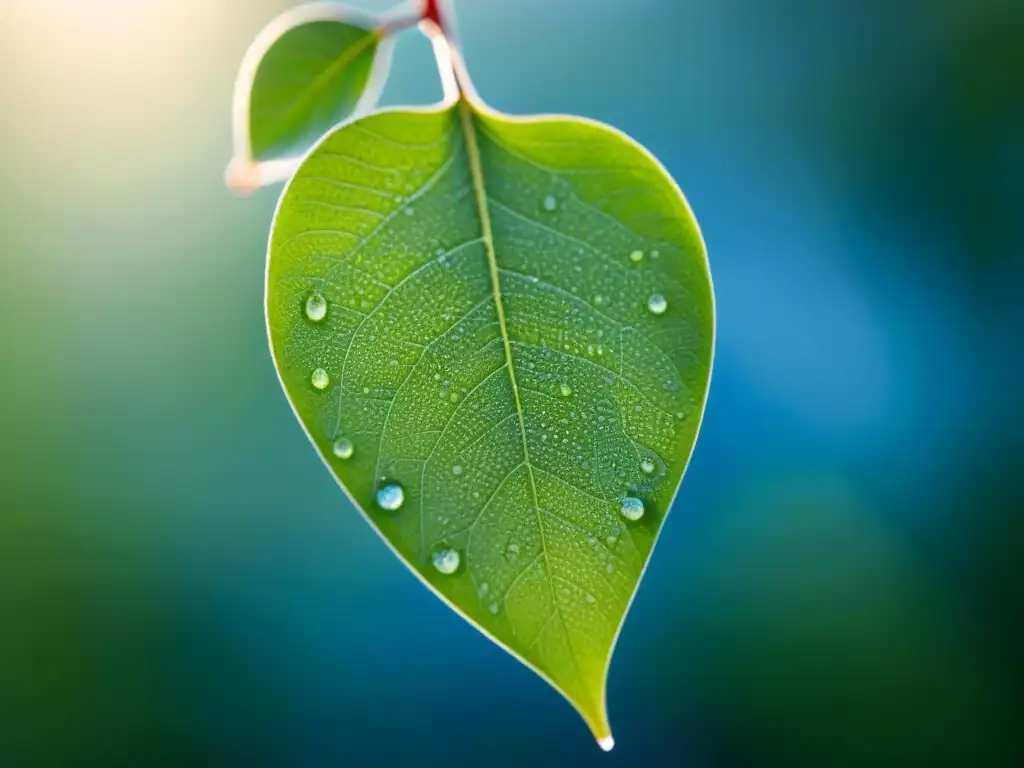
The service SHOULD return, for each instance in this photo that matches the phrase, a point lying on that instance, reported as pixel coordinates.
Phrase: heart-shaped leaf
(308, 70)
(498, 334)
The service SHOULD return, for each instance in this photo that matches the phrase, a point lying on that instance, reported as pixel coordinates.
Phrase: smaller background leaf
(308, 70)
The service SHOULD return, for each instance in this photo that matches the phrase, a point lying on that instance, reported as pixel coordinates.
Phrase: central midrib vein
(480, 191)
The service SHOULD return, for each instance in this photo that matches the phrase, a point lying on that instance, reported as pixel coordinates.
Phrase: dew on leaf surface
(390, 497)
(657, 304)
(446, 561)
(316, 307)
(343, 448)
(320, 379)
(632, 508)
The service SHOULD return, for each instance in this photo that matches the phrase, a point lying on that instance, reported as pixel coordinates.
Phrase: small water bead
(457, 470)
(446, 561)
(636, 256)
(320, 379)
(609, 568)
(565, 389)
(390, 497)
(493, 608)
(512, 552)
(590, 598)
(632, 508)
(647, 466)
(316, 307)
(549, 203)
(343, 448)
(611, 541)
(657, 304)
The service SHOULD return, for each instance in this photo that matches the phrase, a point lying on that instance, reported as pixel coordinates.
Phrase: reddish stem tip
(432, 12)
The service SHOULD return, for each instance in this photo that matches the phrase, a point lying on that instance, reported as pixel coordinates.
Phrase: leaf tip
(242, 176)
(606, 742)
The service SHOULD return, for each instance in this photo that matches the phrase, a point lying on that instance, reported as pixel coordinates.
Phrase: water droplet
(446, 561)
(316, 307)
(632, 508)
(611, 541)
(483, 588)
(320, 379)
(636, 256)
(409, 212)
(657, 304)
(647, 466)
(454, 397)
(457, 470)
(512, 552)
(493, 608)
(390, 497)
(609, 568)
(565, 389)
(550, 204)
(591, 598)
(343, 448)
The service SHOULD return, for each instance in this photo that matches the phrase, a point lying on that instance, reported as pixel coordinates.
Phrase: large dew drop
(343, 448)
(647, 466)
(657, 304)
(316, 307)
(320, 379)
(632, 508)
(446, 561)
(390, 497)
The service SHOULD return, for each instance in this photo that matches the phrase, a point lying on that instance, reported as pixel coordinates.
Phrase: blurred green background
(842, 579)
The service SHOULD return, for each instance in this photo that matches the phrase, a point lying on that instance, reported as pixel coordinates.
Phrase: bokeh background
(842, 579)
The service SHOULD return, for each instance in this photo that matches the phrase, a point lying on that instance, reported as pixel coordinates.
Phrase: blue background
(841, 581)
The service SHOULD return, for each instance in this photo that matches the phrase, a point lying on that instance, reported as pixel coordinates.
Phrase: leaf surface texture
(517, 332)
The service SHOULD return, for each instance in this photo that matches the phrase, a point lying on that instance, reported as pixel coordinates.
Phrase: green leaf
(498, 334)
(307, 71)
